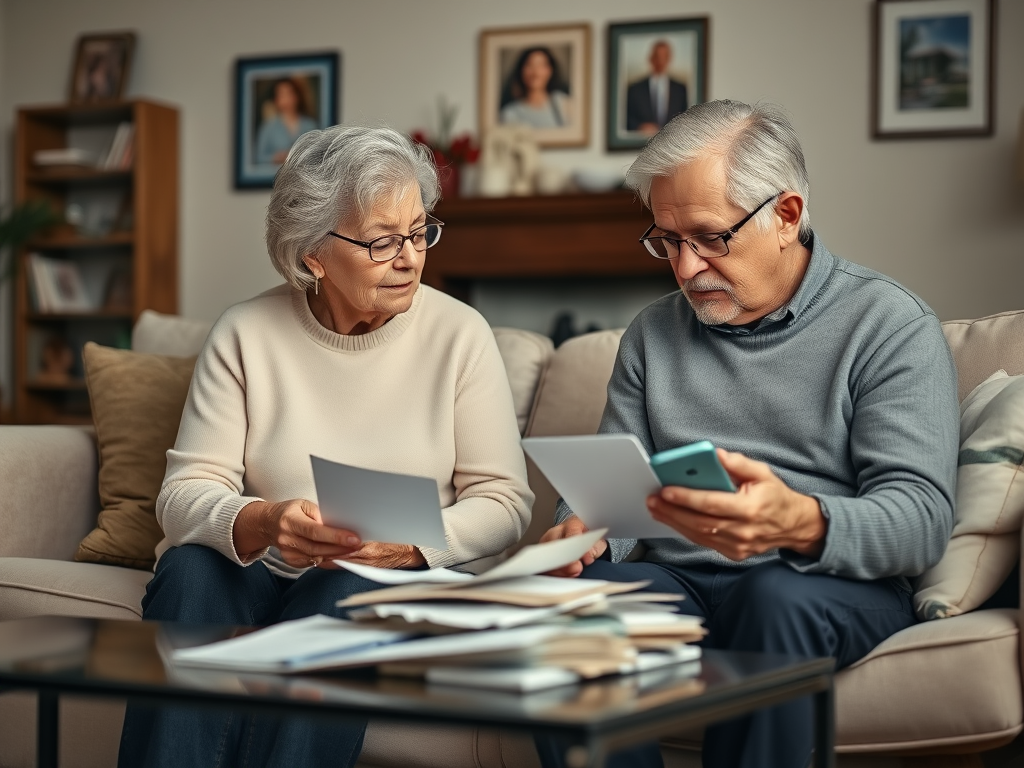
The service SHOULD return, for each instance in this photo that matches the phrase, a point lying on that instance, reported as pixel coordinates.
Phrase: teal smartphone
(692, 466)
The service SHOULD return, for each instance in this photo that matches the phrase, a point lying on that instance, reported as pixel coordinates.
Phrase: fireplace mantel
(556, 236)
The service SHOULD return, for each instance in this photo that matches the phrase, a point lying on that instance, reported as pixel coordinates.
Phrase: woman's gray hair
(337, 175)
(761, 150)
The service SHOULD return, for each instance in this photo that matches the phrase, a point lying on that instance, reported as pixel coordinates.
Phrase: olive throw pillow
(989, 502)
(137, 400)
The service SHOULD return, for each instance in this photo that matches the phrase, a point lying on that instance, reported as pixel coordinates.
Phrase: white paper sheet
(290, 646)
(396, 576)
(470, 615)
(379, 506)
(528, 561)
(605, 480)
(285, 645)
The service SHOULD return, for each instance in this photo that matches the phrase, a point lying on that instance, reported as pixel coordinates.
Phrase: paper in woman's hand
(379, 506)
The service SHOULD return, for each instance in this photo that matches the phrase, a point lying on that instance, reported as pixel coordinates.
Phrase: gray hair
(761, 150)
(339, 174)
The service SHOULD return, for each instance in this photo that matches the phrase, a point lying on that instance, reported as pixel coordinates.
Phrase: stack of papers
(509, 628)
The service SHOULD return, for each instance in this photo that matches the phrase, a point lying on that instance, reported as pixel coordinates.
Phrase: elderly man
(830, 392)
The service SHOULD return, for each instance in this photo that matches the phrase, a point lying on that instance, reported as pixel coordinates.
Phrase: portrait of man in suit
(655, 99)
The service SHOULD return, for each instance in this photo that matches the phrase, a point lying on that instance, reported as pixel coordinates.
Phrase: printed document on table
(528, 561)
(379, 506)
(605, 480)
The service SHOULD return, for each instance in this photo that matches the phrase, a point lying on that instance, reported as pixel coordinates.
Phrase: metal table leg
(47, 730)
(824, 728)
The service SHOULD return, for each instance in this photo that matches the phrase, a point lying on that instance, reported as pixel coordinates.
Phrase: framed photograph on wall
(277, 99)
(539, 77)
(102, 63)
(932, 65)
(656, 69)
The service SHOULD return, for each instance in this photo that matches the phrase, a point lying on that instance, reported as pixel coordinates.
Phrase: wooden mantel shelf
(592, 235)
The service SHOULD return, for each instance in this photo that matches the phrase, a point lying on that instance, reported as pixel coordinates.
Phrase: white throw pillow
(525, 355)
(158, 334)
(989, 502)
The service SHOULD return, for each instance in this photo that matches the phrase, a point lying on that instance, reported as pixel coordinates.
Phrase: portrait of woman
(537, 77)
(290, 117)
(278, 99)
(351, 359)
(536, 95)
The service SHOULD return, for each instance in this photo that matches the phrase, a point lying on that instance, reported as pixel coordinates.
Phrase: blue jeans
(198, 585)
(769, 608)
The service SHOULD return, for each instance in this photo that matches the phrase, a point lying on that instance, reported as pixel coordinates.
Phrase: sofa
(944, 687)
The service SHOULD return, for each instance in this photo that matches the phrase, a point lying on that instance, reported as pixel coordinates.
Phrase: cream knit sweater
(425, 394)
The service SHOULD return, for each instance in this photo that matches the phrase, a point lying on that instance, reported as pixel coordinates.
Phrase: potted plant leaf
(20, 224)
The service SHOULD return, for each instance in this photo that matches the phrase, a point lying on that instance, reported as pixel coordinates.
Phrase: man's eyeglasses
(387, 247)
(707, 246)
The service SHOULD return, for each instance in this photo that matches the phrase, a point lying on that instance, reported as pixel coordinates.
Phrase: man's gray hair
(337, 175)
(761, 150)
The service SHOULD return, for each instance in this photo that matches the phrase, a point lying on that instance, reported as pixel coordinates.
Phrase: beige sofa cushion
(983, 346)
(934, 684)
(31, 587)
(525, 355)
(137, 400)
(989, 502)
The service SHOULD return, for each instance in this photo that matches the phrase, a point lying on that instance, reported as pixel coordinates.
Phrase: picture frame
(636, 106)
(540, 77)
(101, 67)
(278, 98)
(932, 68)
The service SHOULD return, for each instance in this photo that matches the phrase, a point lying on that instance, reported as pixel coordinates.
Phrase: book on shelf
(56, 285)
(120, 155)
(64, 156)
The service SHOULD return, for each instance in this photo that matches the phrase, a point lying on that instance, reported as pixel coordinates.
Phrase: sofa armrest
(49, 500)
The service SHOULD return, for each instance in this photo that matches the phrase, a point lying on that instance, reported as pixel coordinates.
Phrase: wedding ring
(315, 561)
(712, 531)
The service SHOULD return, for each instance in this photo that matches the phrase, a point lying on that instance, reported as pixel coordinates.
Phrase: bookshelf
(120, 233)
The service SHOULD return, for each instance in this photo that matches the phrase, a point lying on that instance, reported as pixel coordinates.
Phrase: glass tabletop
(133, 658)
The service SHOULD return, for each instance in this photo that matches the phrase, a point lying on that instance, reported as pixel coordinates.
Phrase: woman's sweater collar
(392, 329)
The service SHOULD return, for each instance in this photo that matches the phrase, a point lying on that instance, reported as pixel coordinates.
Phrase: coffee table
(130, 660)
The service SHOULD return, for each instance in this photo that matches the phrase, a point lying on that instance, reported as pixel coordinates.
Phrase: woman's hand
(573, 526)
(382, 555)
(296, 529)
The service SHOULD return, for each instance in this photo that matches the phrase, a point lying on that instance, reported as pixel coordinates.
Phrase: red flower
(463, 149)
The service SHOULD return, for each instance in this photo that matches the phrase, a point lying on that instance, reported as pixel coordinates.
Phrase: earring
(316, 290)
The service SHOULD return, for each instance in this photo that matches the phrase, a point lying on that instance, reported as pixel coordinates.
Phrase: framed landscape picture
(656, 69)
(538, 77)
(932, 68)
(277, 99)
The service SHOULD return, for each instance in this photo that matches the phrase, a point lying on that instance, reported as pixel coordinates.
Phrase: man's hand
(763, 514)
(382, 555)
(573, 527)
(296, 529)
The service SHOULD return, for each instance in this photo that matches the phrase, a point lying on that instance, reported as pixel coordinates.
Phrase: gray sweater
(848, 393)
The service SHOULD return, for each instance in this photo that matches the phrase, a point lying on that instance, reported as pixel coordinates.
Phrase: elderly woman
(353, 360)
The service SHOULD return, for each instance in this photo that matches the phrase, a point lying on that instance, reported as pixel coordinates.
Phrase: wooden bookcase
(136, 249)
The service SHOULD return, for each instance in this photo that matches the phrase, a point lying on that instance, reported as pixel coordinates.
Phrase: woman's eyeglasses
(387, 247)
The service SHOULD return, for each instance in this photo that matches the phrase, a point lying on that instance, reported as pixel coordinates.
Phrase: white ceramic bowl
(597, 179)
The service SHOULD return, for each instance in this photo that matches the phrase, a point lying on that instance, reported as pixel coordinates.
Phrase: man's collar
(818, 269)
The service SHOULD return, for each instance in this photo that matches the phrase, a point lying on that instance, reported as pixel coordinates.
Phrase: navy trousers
(197, 585)
(769, 608)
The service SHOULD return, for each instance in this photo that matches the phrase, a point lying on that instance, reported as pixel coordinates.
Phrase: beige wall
(945, 217)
